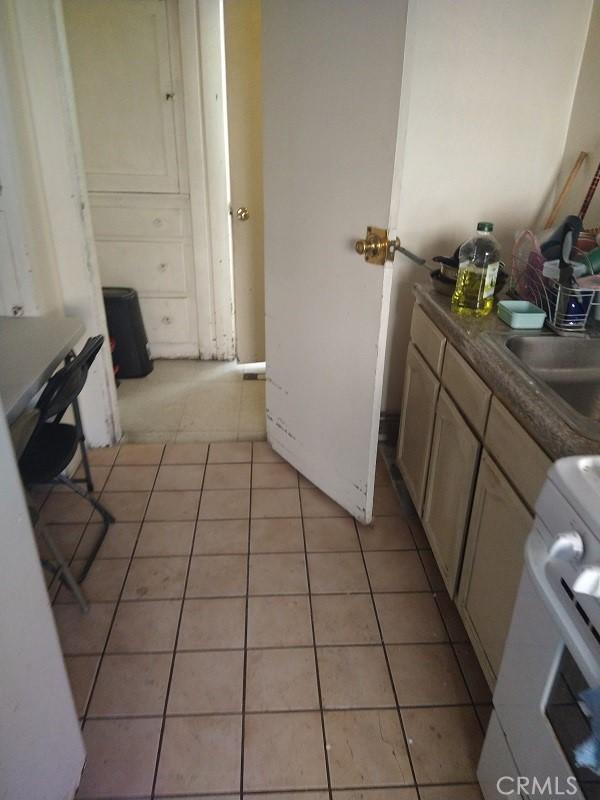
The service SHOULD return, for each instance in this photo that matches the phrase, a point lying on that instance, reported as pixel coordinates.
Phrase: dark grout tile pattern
(246, 637)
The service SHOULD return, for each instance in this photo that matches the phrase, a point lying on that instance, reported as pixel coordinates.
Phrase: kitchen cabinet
(452, 468)
(449, 416)
(500, 523)
(428, 340)
(467, 389)
(421, 388)
(515, 452)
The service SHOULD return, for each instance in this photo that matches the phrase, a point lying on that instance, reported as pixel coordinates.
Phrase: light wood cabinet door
(428, 339)
(421, 389)
(122, 68)
(452, 469)
(492, 565)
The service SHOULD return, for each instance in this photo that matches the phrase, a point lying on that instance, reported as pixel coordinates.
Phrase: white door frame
(53, 152)
(48, 149)
(202, 56)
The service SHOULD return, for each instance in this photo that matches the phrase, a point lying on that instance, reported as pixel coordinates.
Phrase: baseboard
(174, 351)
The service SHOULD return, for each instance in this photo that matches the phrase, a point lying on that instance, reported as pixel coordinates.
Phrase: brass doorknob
(242, 213)
(376, 247)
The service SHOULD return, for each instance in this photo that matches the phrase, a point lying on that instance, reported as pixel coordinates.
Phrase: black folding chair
(54, 443)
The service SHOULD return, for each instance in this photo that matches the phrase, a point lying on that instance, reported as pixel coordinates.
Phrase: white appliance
(553, 648)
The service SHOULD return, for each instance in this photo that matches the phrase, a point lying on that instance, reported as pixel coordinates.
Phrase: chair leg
(104, 512)
(84, 456)
(64, 571)
(107, 519)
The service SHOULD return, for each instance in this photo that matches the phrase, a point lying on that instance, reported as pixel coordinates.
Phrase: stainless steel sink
(569, 366)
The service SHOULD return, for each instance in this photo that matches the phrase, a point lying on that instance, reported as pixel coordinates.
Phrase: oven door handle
(570, 625)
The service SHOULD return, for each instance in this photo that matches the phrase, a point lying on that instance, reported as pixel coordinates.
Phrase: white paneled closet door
(125, 90)
(129, 90)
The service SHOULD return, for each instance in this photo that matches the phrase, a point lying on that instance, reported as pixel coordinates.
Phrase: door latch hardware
(376, 247)
(242, 214)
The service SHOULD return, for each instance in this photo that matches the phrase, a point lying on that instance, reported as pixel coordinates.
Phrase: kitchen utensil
(590, 193)
(564, 191)
(442, 284)
(586, 241)
(448, 266)
(568, 308)
(552, 246)
(445, 285)
(591, 260)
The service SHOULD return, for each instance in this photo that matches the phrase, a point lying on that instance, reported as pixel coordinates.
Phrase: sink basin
(569, 366)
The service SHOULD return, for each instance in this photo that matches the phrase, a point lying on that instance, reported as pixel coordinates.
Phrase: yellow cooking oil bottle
(478, 262)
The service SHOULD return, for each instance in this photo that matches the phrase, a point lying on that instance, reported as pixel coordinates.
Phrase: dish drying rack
(568, 310)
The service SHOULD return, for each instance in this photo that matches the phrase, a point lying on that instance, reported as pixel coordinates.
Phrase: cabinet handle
(162, 267)
(166, 320)
(157, 222)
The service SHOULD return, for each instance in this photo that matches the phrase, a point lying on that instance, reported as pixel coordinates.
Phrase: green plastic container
(521, 314)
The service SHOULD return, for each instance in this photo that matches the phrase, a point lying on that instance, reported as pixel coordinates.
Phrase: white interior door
(242, 54)
(332, 75)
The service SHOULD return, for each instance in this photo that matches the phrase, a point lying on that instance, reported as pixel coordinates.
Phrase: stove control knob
(567, 547)
(588, 582)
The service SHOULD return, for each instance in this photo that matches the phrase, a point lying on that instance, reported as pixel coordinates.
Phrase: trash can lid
(118, 291)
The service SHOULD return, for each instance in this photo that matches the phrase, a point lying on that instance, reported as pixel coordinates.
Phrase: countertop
(30, 350)
(511, 384)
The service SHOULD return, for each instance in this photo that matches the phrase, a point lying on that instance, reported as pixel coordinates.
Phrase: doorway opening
(164, 186)
(185, 400)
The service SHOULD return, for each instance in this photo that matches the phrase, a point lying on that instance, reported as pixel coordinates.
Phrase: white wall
(486, 97)
(35, 286)
(584, 128)
(47, 156)
(41, 749)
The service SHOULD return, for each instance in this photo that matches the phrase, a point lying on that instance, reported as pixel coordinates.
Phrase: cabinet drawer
(515, 451)
(149, 267)
(167, 321)
(428, 339)
(466, 388)
(120, 221)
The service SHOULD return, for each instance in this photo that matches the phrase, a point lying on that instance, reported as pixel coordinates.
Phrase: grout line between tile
(177, 631)
(112, 622)
(245, 664)
(292, 792)
(274, 711)
(412, 520)
(472, 704)
(314, 639)
(389, 668)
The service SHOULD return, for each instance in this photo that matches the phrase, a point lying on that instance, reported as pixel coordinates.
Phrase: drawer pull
(162, 267)
(166, 320)
(157, 222)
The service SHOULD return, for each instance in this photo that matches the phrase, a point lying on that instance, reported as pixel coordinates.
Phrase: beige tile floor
(247, 637)
(188, 401)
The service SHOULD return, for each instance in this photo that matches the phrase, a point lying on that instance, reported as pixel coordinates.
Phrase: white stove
(552, 652)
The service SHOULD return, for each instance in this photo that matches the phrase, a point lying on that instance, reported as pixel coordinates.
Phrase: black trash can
(126, 329)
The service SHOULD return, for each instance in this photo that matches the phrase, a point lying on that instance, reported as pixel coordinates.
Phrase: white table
(31, 348)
